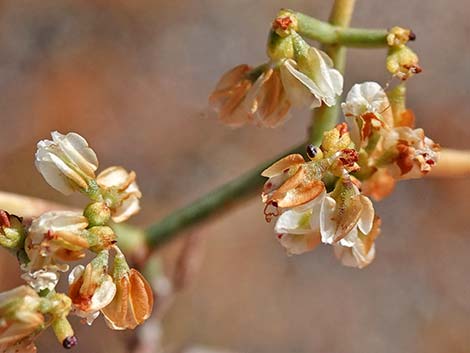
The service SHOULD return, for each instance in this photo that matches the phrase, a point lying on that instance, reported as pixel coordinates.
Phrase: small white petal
(327, 224)
(366, 220)
(293, 222)
(103, 295)
(75, 274)
(128, 208)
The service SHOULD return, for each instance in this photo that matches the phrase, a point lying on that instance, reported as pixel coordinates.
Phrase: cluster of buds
(295, 75)
(47, 245)
(324, 199)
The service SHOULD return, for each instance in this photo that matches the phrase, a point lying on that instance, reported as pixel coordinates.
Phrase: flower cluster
(324, 199)
(54, 239)
(295, 75)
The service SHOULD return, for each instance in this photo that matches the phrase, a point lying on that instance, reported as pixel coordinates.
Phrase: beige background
(133, 78)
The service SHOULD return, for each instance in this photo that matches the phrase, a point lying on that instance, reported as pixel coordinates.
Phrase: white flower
(341, 224)
(298, 229)
(66, 162)
(55, 235)
(313, 83)
(117, 179)
(41, 279)
(362, 252)
(363, 98)
(88, 299)
(57, 221)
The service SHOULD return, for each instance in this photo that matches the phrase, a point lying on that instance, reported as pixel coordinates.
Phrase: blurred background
(133, 78)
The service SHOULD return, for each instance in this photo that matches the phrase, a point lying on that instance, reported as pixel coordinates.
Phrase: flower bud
(398, 36)
(66, 162)
(402, 62)
(285, 23)
(133, 301)
(120, 191)
(91, 287)
(12, 231)
(280, 47)
(97, 213)
(19, 314)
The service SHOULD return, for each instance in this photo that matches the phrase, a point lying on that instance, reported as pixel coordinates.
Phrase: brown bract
(132, 304)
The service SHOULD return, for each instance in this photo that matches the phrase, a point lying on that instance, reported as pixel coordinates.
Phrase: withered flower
(133, 301)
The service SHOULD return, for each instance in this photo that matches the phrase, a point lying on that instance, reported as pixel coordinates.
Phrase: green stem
(211, 204)
(325, 118)
(333, 33)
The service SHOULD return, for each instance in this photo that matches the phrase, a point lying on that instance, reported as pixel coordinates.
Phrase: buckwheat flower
(311, 80)
(19, 315)
(121, 192)
(412, 154)
(362, 251)
(366, 109)
(59, 235)
(229, 94)
(133, 302)
(91, 288)
(298, 229)
(291, 183)
(402, 62)
(66, 163)
(344, 213)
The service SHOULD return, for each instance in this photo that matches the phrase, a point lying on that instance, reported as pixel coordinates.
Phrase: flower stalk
(324, 118)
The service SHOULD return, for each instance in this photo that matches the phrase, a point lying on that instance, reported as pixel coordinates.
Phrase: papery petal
(128, 208)
(300, 89)
(327, 222)
(103, 295)
(366, 219)
(366, 97)
(75, 274)
(293, 222)
(297, 244)
(77, 150)
(283, 164)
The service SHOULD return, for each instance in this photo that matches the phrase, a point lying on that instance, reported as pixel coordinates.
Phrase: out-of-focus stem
(213, 203)
(452, 163)
(25, 206)
(325, 118)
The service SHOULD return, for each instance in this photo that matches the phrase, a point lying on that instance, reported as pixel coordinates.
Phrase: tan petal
(283, 164)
